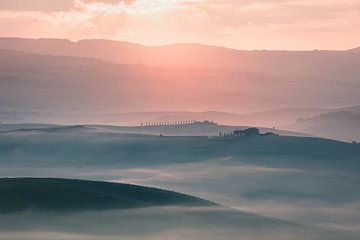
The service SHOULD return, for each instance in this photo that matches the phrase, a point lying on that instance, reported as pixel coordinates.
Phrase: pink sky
(241, 24)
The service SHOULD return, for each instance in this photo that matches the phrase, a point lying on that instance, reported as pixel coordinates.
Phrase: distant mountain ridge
(76, 84)
(309, 63)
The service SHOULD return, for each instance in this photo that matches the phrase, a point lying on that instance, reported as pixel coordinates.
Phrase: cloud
(113, 2)
(36, 5)
(52, 6)
(271, 24)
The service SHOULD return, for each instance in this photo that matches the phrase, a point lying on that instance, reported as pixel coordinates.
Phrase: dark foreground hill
(64, 194)
(121, 211)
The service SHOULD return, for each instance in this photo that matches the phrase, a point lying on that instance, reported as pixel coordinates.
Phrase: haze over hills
(272, 118)
(305, 70)
(31, 81)
(71, 90)
(49, 82)
(171, 131)
(202, 56)
(342, 124)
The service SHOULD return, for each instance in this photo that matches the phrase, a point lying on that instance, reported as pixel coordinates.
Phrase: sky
(240, 24)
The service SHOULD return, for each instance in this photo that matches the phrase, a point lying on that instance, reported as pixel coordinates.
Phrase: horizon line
(176, 43)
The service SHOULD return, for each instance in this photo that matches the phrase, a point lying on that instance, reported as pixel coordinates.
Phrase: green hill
(64, 194)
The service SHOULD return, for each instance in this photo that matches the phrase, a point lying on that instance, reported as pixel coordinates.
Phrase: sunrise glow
(270, 24)
(129, 7)
(179, 119)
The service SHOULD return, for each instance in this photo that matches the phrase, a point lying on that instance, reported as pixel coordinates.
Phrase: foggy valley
(179, 119)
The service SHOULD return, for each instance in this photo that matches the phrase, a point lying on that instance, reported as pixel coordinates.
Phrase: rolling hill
(55, 208)
(271, 118)
(197, 129)
(305, 179)
(342, 124)
(227, 79)
(86, 145)
(311, 63)
(20, 194)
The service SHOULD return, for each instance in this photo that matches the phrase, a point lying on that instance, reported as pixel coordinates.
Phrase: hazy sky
(242, 24)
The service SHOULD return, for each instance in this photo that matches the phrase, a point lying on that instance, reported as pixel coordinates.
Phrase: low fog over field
(301, 179)
(179, 119)
(72, 209)
(218, 79)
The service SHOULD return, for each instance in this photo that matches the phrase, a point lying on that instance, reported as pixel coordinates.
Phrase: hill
(71, 146)
(342, 124)
(131, 212)
(19, 194)
(305, 179)
(313, 63)
(271, 118)
(71, 89)
(192, 129)
(277, 117)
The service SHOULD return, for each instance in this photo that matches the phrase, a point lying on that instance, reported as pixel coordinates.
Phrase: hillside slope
(117, 146)
(19, 194)
(342, 124)
(153, 214)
